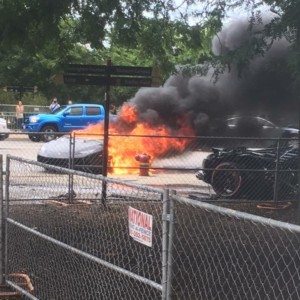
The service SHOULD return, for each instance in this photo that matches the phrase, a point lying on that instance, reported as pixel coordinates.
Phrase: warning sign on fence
(140, 226)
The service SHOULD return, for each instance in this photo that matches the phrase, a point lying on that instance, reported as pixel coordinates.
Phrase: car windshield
(58, 110)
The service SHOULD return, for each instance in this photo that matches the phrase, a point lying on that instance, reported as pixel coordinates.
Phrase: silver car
(4, 131)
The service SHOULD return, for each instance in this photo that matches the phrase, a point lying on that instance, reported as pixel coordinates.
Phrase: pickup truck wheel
(34, 138)
(49, 137)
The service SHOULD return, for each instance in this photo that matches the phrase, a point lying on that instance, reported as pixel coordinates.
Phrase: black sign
(29, 89)
(86, 69)
(131, 71)
(20, 89)
(11, 89)
(109, 70)
(103, 80)
(128, 81)
(85, 79)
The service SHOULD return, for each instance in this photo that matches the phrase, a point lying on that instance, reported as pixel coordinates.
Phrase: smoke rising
(266, 87)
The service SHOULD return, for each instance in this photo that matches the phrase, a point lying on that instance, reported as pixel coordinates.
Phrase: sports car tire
(49, 129)
(34, 138)
(227, 180)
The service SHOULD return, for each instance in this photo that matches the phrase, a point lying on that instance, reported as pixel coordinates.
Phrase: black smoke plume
(266, 88)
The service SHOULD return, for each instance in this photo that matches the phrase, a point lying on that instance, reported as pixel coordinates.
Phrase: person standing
(69, 101)
(19, 114)
(54, 105)
(113, 109)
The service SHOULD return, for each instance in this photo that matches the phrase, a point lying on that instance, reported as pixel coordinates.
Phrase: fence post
(71, 166)
(2, 223)
(5, 216)
(170, 246)
(165, 226)
(167, 243)
(275, 194)
(298, 175)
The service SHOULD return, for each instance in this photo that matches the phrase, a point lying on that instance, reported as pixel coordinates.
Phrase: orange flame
(128, 137)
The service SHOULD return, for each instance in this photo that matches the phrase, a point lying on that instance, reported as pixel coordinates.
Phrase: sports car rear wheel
(227, 180)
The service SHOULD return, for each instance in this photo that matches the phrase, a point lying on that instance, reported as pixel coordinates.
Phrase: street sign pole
(21, 93)
(107, 75)
(106, 135)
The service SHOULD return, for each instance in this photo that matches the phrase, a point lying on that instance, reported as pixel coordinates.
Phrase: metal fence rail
(8, 112)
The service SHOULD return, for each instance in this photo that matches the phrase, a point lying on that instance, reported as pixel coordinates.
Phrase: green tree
(39, 37)
(285, 22)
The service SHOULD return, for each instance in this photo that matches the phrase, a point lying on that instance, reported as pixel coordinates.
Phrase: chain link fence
(219, 253)
(68, 243)
(8, 112)
(83, 250)
(205, 168)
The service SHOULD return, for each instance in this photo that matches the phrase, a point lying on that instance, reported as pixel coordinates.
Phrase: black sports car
(87, 154)
(257, 126)
(243, 131)
(250, 174)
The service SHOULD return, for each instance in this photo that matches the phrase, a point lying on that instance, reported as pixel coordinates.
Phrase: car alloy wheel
(227, 180)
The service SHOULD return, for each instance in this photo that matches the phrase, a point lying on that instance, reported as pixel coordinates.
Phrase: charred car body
(87, 154)
(250, 173)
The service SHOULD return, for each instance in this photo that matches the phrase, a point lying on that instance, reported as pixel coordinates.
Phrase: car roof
(85, 104)
(248, 117)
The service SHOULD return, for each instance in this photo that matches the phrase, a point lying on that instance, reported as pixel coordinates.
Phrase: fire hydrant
(144, 160)
(110, 167)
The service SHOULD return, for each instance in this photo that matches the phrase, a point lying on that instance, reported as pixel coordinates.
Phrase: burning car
(87, 154)
(250, 173)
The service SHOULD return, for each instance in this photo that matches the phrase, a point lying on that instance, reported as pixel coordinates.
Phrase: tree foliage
(39, 37)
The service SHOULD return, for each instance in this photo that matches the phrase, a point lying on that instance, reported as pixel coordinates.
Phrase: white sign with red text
(140, 226)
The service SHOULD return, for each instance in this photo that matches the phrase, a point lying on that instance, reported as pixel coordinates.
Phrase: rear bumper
(81, 164)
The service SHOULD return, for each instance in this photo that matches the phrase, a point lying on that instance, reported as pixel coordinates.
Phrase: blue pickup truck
(64, 119)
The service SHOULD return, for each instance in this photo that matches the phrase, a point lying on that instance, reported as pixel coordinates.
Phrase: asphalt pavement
(184, 179)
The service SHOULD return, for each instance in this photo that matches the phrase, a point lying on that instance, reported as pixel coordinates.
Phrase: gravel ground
(214, 256)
